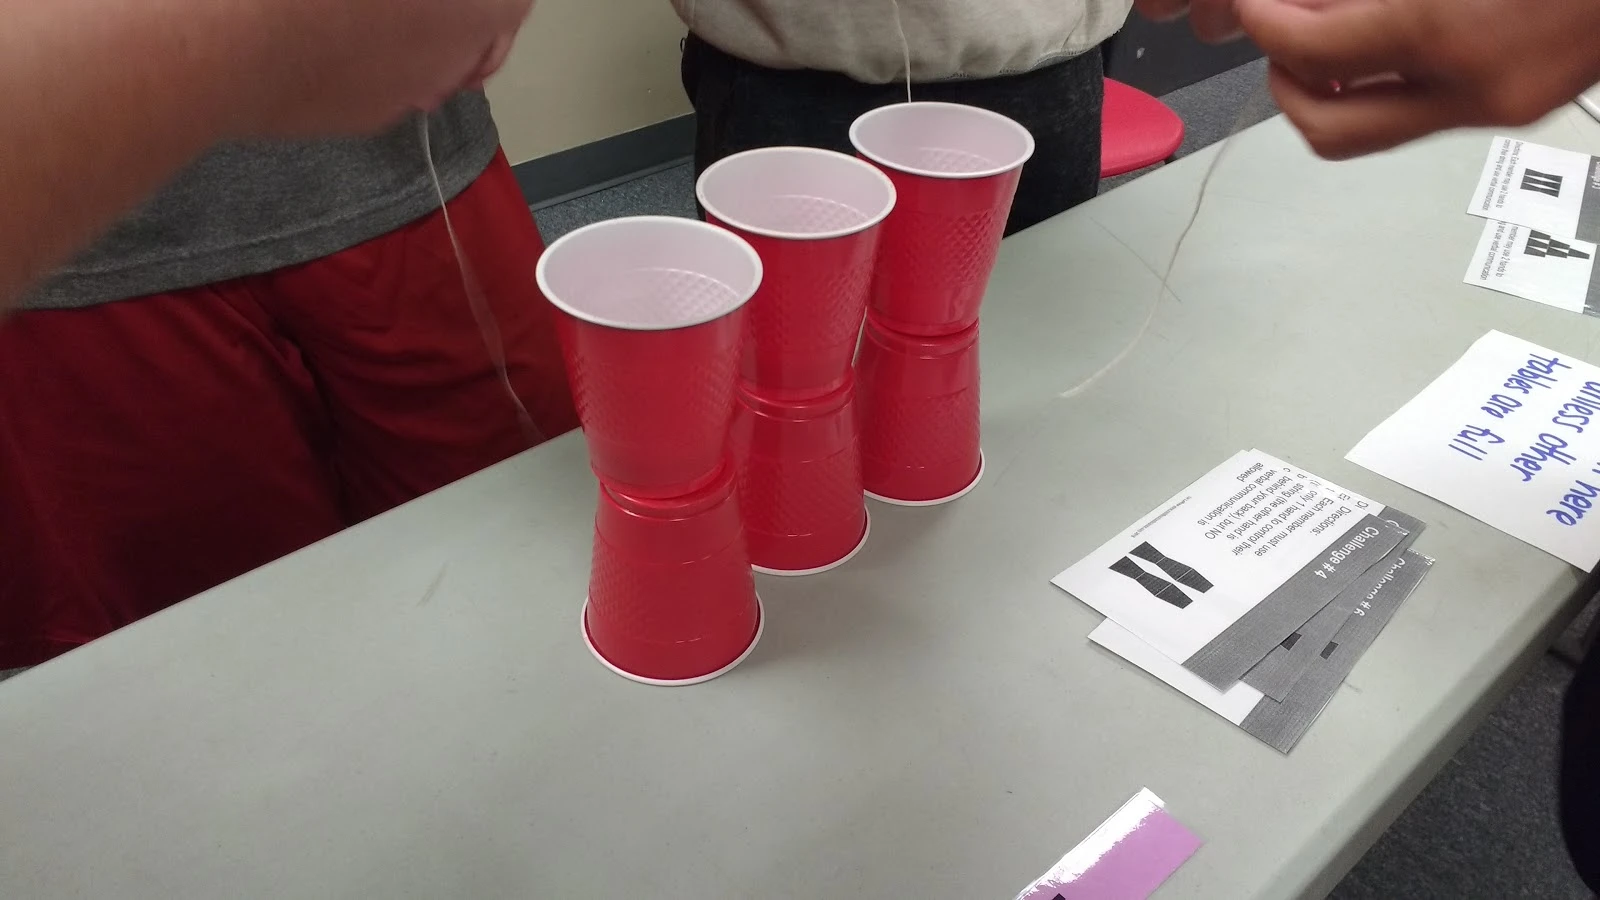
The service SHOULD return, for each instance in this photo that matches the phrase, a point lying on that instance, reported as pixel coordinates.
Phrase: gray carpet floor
(1486, 827)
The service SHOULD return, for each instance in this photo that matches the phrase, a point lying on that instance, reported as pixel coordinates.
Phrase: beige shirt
(947, 38)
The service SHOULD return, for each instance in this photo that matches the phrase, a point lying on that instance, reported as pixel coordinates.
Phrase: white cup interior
(942, 140)
(649, 273)
(796, 193)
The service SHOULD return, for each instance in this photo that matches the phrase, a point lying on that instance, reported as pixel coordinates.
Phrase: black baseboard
(573, 173)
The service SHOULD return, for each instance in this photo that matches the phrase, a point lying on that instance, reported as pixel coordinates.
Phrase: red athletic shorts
(154, 448)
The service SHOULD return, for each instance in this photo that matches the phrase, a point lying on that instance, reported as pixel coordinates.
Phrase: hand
(1359, 76)
(358, 66)
(1214, 21)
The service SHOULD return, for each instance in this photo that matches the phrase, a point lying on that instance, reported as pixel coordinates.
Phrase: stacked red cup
(651, 313)
(814, 217)
(955, 169)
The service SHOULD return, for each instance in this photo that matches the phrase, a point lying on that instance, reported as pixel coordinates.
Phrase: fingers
(1331, 42)
(1356, 122)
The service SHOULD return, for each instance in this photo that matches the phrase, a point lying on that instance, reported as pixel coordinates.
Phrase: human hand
(1360, 76)
(357, 66)
(1214, 21)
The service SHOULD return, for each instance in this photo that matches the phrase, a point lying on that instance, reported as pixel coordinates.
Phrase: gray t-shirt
(246, 209)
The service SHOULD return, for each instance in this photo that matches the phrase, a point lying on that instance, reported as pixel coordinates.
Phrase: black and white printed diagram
(1152, 565)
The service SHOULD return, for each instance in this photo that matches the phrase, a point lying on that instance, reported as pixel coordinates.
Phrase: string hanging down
(482, 314)
(1248, 115)
(1252, 111)
(905, 44)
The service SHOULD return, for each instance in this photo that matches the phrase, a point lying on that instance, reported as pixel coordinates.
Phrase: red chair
(1137, 131)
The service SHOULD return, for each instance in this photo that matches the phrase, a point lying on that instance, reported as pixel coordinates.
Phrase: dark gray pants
(741, 106)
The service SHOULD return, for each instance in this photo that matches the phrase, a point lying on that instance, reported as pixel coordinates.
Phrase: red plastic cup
(956, 170)
(921, 441)
(672, 600)
(800, 483)
(651, 316)
(814, 217)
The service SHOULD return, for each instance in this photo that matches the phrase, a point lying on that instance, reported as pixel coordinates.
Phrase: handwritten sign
(1510, 435)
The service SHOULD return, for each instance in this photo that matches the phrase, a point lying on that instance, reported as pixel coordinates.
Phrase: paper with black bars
(1286, 663)
(1156, 585)
(1536, 265)
(1542, 245)
(1219, 575)
(1250, 640)
(1547, 189)
(1282, 724)
(1185, 575)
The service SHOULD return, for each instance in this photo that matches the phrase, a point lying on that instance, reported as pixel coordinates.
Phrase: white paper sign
(1510, 435)
(1533, 265)
(1182, 575)
(1554, 191)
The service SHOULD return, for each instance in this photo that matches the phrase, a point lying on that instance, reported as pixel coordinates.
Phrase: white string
(1166, 277)
(488, 325)
(905, 45)
(1245, 119)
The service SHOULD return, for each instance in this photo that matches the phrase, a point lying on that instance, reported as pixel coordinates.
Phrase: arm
(1407, 68)
(1360, 76)
(102, 100)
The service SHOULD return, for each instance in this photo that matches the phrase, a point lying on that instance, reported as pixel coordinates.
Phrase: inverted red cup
(921, 439)
(814, 217)
(651, 316)
(956, 170)
(672, 600)
(800, 482)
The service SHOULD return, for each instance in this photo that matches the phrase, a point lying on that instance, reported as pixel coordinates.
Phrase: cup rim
(761, 627)
(797, 410)
(876, 220)
(866, 535)
(719, 491)
(541, 273)
(891, 109)
(983, 465)
(934, 345)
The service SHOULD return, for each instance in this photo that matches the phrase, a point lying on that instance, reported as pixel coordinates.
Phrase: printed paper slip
(1510, 435)
(1247, 642)
(1283, 667)
(1554, 191)
(1530, 264)
(1282, 724)
(1190, 572)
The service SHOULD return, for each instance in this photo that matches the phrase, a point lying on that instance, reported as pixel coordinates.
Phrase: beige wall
(586, 70)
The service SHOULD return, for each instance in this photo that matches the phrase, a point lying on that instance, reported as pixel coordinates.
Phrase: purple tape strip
(1127, 858)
